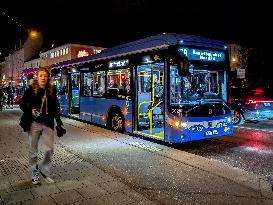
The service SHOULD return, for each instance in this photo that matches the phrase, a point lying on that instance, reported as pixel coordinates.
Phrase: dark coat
(30, 101)
(1, 94)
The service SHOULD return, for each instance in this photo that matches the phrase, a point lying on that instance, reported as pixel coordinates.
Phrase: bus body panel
(197, 128)
(95, 110)
(63, 99)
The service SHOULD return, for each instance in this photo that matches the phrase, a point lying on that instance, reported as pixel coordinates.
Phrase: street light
(33, 34)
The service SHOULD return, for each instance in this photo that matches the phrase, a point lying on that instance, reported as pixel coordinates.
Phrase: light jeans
(38, 131)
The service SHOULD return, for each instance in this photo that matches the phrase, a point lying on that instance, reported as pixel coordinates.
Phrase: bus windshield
(200, 84)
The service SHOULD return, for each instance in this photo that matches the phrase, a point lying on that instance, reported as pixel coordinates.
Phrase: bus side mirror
(181, 61)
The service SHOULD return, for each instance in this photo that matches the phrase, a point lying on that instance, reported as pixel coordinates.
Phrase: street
(250, 148)
(130, 170)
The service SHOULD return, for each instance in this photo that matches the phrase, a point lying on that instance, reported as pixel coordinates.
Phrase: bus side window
(118, 83)
(63, 85)
(86, 84)
(99, 83)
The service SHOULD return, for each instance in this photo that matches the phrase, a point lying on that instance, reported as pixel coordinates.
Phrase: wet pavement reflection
(250, 148)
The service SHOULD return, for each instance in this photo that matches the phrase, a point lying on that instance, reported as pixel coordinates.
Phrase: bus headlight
(184, 124)
(179, 124)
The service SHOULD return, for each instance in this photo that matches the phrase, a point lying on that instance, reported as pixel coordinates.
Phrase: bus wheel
(237, 118)
(116, 122)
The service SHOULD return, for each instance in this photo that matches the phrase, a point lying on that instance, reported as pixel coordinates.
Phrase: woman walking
(40, 106)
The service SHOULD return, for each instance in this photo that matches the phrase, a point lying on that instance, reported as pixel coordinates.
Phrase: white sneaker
(46, 178)
(49, 180)
(35, 177)
(35, 181)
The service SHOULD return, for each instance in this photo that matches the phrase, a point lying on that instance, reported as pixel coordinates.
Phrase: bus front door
(74, 93)
(150, 107)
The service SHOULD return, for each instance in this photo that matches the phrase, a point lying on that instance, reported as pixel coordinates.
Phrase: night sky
(108, 23)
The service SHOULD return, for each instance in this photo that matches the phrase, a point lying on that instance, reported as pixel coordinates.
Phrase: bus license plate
(266, 104)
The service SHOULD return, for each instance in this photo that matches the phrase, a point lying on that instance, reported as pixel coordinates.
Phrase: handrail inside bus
(151, 116)
(145, 102)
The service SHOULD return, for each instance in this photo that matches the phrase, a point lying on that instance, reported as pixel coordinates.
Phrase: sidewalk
(79, 181)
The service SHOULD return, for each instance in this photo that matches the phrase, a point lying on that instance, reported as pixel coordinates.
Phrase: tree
(245, 53)
(257, 73)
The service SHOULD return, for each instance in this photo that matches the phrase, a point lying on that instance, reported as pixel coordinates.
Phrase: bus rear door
(150, 107)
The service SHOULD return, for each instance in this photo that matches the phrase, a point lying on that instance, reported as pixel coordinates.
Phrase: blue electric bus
(170, 87)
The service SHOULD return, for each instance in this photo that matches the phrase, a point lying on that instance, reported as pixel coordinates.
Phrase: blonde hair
(48, 87)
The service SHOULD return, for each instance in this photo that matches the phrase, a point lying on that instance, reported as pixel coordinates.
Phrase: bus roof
(146, 44)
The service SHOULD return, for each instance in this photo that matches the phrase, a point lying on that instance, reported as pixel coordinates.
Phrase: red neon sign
(82, 53)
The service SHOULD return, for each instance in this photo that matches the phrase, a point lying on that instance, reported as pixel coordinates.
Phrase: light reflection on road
(249, 148)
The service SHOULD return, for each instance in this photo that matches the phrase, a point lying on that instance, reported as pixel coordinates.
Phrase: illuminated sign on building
(82, 53)
(202, 55)
(96, 51)
(119, 63)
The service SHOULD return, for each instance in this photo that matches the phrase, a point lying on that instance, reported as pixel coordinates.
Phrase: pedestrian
(41, 106)
(10, 93)
(1, 97)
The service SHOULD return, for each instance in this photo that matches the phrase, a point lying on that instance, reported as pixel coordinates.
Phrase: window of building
(66, 51)
(52, 55)
(61, 52)
(57, 53)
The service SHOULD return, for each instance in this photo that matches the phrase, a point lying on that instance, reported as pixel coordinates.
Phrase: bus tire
(116, 121)
(237, 117)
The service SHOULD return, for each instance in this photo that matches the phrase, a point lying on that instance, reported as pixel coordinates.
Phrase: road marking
(145, 146)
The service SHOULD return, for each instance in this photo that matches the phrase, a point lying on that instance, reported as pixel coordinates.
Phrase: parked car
(250, 105)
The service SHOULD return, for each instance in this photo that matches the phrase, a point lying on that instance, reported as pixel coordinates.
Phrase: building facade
(235, 56)
(34, 63)
(66, 52)
(14, 65)
(2, 64)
